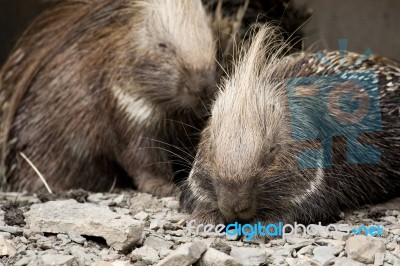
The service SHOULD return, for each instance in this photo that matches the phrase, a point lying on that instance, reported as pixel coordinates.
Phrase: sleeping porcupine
(298, 139)
(102, 90)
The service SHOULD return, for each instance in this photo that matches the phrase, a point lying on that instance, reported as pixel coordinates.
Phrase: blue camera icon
(343, 104)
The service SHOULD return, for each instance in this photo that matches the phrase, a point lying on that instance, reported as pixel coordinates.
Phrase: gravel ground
(129, 228)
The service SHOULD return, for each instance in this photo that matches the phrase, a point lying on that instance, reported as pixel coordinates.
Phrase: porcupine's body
(98, 90)
(265, 154)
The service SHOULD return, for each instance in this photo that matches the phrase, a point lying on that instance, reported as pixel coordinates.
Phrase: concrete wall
(373, 24)
(15, 15)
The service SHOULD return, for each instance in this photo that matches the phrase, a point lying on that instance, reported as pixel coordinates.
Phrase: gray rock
(285, 251)
(299, 241)
(57, 260)
(158, 243)
(142, 216)
(278, 260)
(249, 256)
(176, 217)
(337, 250)
(77, 238)
(379, 259)
(146, 254)
(391, 246)
(11, 229)
(306, 250)
(231, 236)
(6, 247)
(164, 253)
(6, 235)
(120, 263)
(64, 238)
(185, 255)
(213, 257)
(323, 254)
(25, 260)
(363, 248)
(343, 261)
(156, 224)
(170, 203)
(119, 199)
(392, 259)
(69, 216)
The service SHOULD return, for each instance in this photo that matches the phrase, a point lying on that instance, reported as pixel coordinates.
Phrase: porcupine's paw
(213, 217)
(157, 186)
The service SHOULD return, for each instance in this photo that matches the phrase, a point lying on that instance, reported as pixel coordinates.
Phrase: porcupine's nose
(236, 206)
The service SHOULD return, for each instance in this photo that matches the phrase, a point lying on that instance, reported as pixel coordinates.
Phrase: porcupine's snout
(237, 204)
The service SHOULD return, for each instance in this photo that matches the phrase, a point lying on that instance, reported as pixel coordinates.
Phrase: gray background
(373, 24)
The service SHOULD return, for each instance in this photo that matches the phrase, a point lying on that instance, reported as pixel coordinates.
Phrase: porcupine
(97, 90)
(254, 162)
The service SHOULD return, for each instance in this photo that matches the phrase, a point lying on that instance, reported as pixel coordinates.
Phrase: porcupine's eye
(163, 45)
(270, 155)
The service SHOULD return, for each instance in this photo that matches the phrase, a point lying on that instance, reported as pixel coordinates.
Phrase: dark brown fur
(246, 168)
(61, 87)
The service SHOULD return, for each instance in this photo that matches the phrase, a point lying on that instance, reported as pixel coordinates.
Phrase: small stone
(297, 240)
(171, 203)
(6, 247)
(341, 236)
(278, 242)
(119, 199)
(344, 261)
(142, 216)
(146, 254)
(363, 248)
(337, 250)
(213, 257)
(69, 216)
(284, 251)
(222, 247)
(158, 243)
(248, 256)
(120, 263)
(96, 197)
(232, 237)
(185, 255)
(391, 246)
(6, 235)
(57, 260)
(64, 238)
(155, 225)
(77, 238)
(306, 250)
(278, 260)
(101, 263)
(182, 222)
(392, 259)
(12, 230)
(122, 211)
(323, 254)
(176, 217)
(291, 261)
(25, 261)
(379, 258)
(164, 252)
